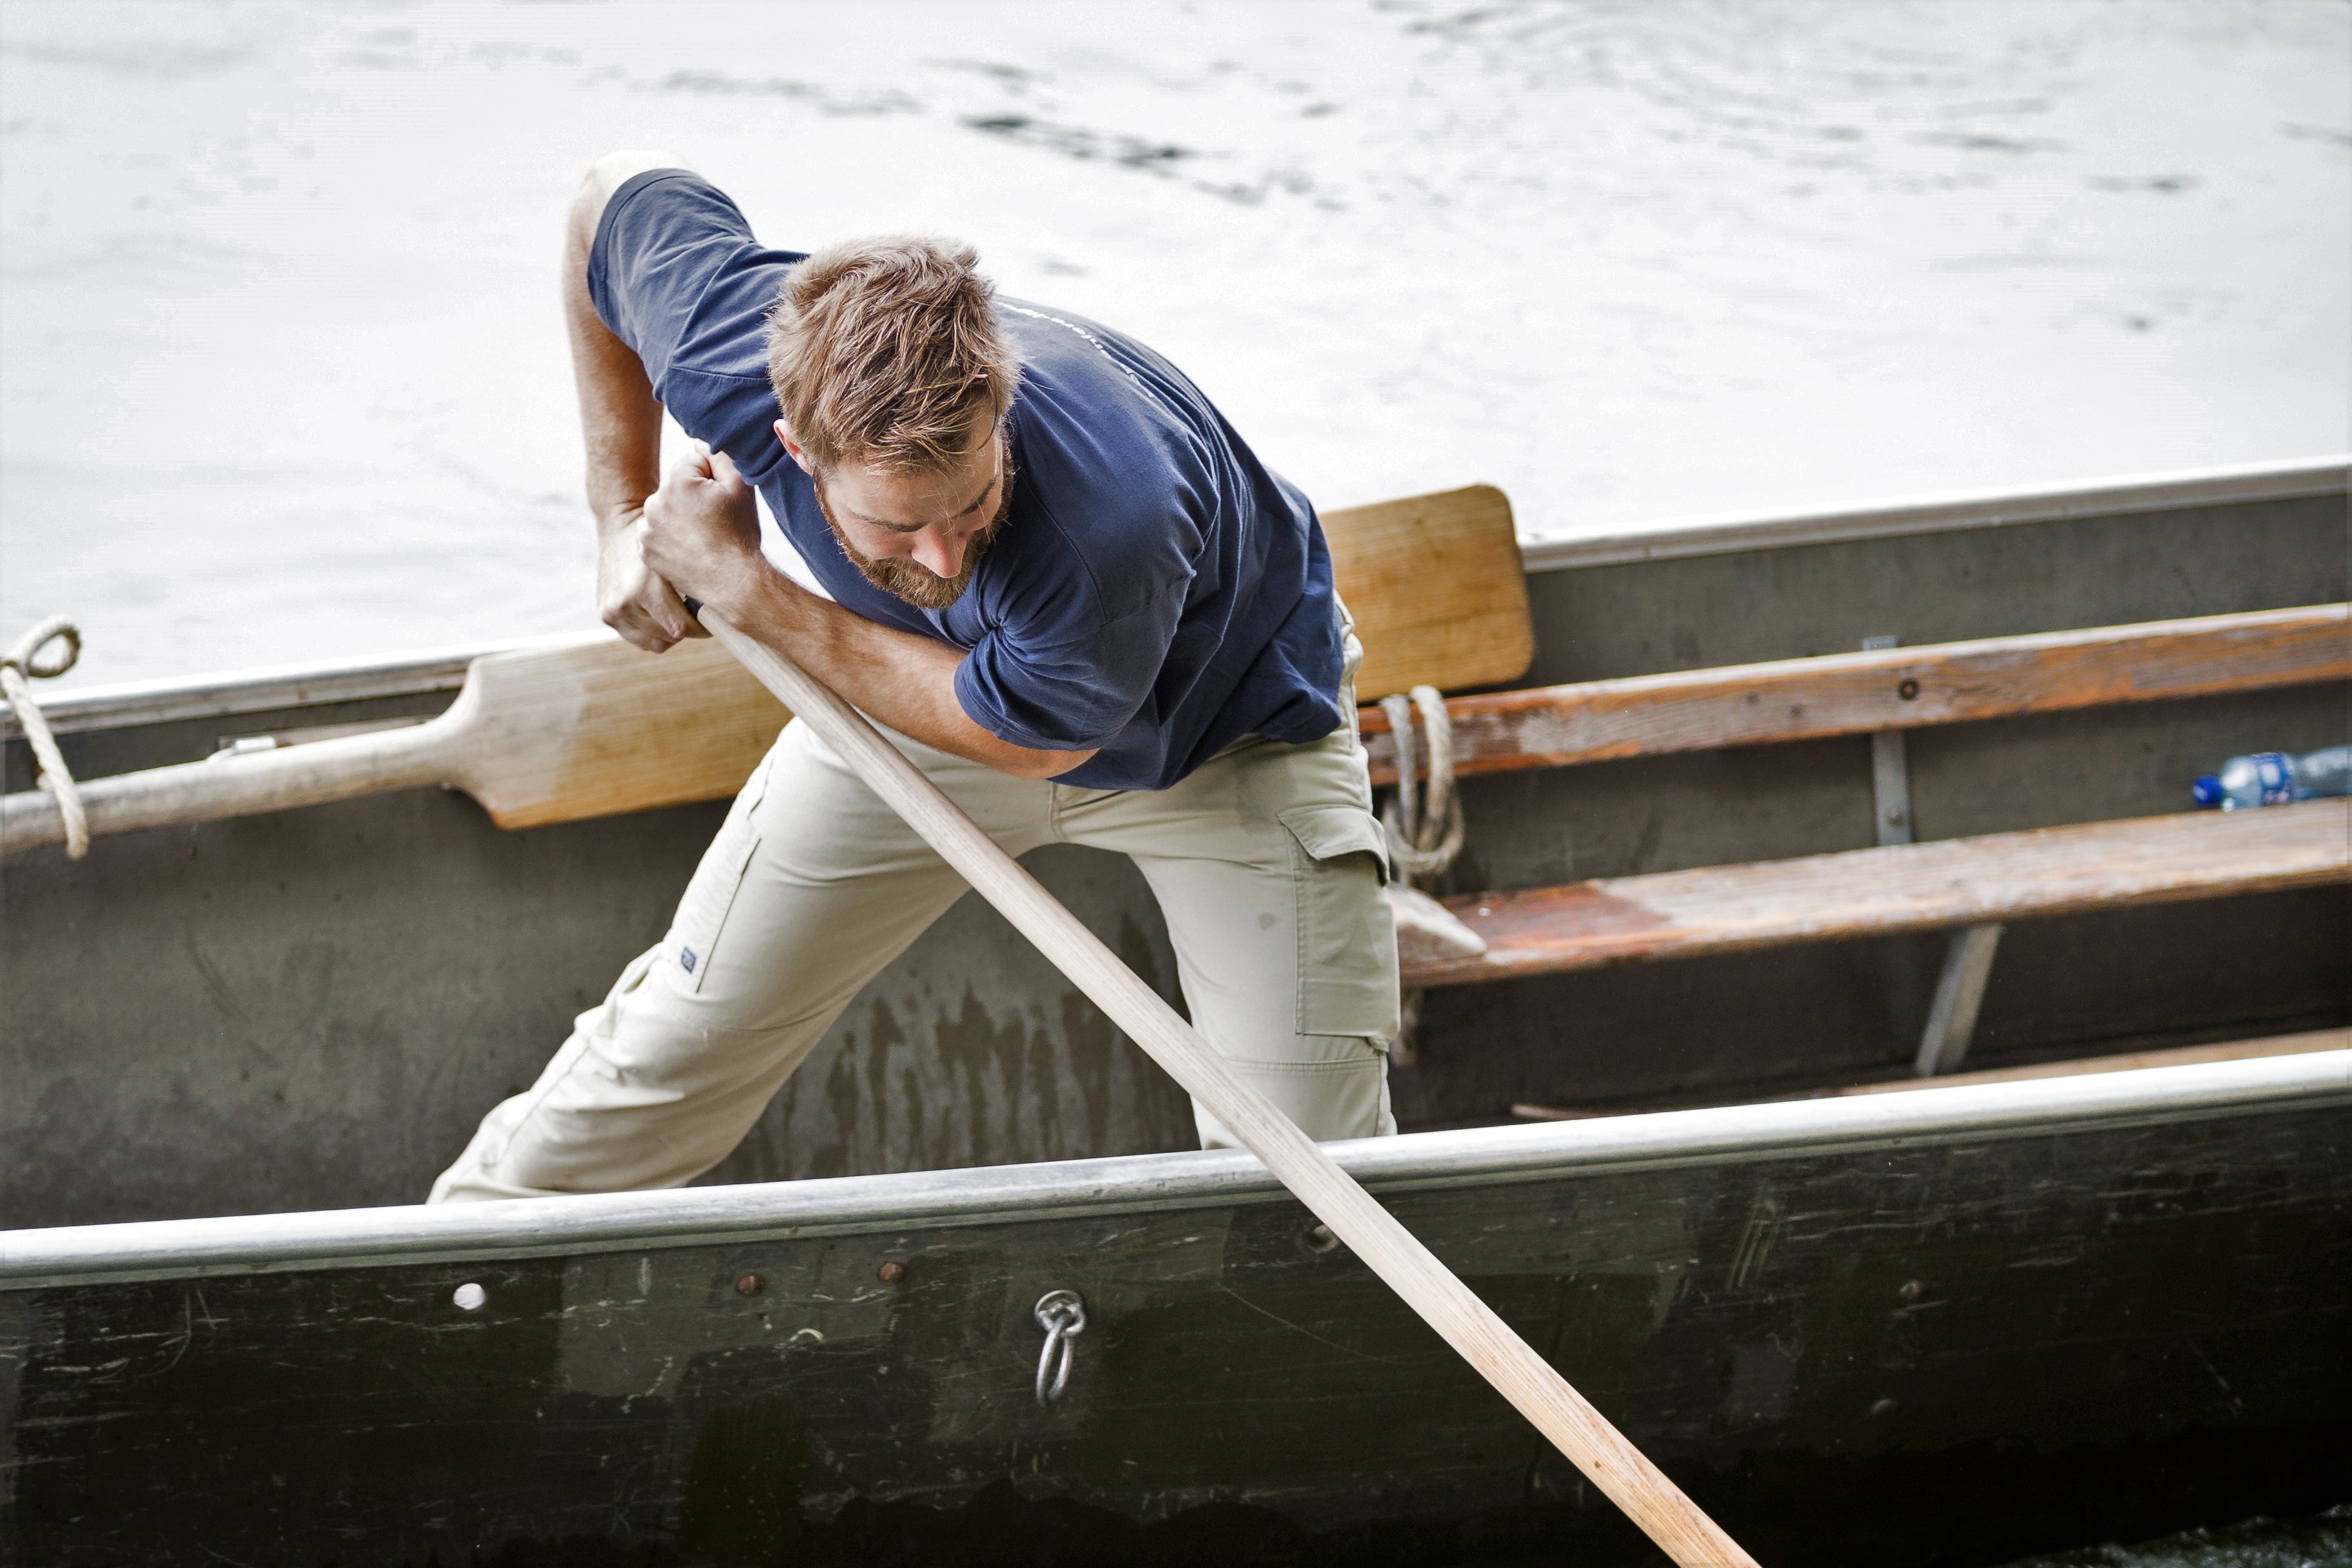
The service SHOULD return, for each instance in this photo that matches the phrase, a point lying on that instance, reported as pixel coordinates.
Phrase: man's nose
(941, 556)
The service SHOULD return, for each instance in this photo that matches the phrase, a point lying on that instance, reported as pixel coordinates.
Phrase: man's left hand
(702, 529)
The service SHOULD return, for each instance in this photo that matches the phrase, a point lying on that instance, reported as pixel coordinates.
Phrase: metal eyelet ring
(1063, 1316)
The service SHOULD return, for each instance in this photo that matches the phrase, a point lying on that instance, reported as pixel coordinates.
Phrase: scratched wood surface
(1437, 590)
(1913, 886)
(1842, 694)
(611, 729)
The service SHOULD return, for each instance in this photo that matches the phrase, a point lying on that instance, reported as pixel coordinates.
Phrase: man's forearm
(619, 418)
(620, 422)
(904, 681)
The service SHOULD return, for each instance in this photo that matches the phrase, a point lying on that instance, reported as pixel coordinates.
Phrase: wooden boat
(1943, 1326)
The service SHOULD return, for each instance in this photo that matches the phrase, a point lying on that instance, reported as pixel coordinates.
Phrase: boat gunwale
(423, 671)
(905, 1201)
(2292, 478)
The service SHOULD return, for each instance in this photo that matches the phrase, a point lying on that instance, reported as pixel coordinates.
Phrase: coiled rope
(25, 664)
(1425, 827)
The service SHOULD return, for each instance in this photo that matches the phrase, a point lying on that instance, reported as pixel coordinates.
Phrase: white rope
(26, 663)
(1425, 828)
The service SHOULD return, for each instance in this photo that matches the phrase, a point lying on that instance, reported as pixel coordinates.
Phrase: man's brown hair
(887, 352)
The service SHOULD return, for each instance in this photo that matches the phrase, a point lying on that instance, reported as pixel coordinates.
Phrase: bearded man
(1036, 554)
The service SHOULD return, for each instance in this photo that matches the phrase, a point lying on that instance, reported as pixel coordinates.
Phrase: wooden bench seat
(1895, 688)
(1915, 887)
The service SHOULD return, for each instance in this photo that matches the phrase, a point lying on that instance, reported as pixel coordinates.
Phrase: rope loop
(1425, 827)
(27, 658)
(24, 662)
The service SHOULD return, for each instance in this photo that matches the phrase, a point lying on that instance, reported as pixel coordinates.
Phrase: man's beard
(917, 584)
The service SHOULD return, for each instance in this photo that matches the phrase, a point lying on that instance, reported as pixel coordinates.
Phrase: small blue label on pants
(685, 959)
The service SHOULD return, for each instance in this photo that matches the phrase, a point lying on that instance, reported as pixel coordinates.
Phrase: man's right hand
(635, 600)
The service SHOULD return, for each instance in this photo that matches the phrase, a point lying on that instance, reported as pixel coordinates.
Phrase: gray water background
(282, 378)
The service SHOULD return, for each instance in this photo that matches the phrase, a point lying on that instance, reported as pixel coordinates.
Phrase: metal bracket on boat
(1960, 992)
(1890, 770)
(1063, 1316)
(1968, 961)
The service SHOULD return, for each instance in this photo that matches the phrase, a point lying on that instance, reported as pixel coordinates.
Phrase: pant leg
(1268, 864)
(812, 885)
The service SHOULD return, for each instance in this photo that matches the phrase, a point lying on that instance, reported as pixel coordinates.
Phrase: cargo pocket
(1347, 937)
(701, 920)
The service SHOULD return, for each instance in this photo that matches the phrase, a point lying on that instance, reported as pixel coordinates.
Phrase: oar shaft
(1621, 1470)
(237, 785)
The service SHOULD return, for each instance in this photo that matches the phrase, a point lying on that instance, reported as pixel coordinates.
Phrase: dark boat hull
(1949, 1323)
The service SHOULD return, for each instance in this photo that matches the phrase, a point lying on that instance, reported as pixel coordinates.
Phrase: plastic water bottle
(2274, 778)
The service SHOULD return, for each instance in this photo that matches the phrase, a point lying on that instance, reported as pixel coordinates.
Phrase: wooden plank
(1853, 693)
(1907, 888)
(1436, 587)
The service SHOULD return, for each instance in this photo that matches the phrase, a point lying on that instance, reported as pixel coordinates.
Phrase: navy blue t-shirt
(1156, 592)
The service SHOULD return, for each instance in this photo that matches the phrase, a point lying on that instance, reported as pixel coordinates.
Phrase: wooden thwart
(1912, 887)
(1853, 693)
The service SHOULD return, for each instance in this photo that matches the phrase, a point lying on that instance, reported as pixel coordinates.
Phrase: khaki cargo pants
(1266, 862)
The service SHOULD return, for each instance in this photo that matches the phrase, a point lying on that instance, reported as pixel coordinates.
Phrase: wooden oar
(538, 735)
(1621, 1470)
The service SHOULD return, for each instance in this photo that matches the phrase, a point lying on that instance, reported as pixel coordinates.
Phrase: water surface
(281, 374)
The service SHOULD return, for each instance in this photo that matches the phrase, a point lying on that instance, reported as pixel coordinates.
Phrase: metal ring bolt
(1063, 1316)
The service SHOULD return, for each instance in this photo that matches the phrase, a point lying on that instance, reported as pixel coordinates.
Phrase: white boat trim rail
(2121, 497)
(920, 1200)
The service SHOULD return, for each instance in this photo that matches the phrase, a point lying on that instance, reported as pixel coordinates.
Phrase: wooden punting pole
(1620, 1469)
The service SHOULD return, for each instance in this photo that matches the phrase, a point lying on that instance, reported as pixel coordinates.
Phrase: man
(1030, 549)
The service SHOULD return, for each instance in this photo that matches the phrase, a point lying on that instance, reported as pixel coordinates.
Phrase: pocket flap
(1327, 832)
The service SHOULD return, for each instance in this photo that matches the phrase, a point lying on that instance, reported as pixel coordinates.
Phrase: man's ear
(798, 454)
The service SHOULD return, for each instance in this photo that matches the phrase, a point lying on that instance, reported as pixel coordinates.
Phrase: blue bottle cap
(2207, 790)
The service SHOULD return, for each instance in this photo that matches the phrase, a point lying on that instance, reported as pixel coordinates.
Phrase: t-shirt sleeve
(665, 234)
(1072, 685)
